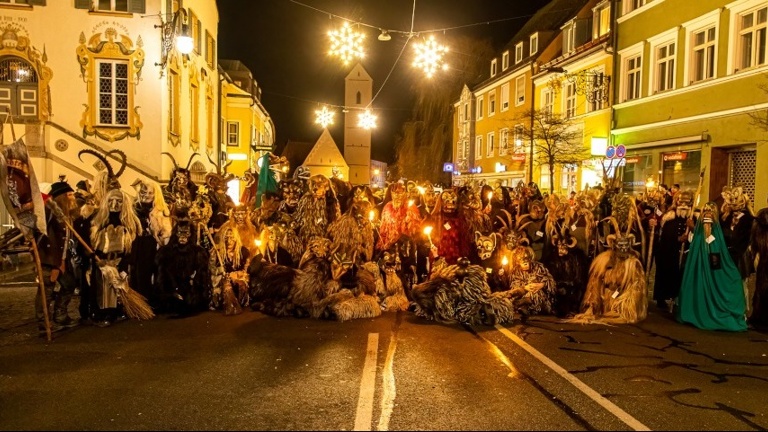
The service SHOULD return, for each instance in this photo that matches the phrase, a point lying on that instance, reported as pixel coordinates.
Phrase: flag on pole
(20, 190)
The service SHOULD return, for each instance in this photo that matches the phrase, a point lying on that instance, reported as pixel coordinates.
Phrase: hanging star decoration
(366, 120)
(429, 56)
(324, 117)
(346, 43)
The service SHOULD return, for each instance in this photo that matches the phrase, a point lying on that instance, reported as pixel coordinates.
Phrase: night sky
(284, 43)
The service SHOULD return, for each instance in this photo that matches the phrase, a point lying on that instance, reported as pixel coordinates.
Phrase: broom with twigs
(134, 304)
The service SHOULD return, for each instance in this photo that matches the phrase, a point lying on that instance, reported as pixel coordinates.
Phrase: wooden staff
(650, 252)
(690, 216)
(41, 288)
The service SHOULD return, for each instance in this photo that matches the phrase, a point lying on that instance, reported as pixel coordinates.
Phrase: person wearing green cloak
(711, 295)
(267, 176)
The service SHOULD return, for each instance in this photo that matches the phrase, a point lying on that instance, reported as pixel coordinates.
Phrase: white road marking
(388, 386)
(592, 394)
(364, 414)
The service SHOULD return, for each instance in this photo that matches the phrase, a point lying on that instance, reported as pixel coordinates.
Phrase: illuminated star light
(346, 43)
(324, 117)
(366, 120)
(429, 56)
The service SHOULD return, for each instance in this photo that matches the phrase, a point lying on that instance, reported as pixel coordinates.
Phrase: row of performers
(454, 260)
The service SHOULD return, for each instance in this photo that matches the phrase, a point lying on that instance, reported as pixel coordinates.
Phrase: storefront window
(637, 170)
(681, 168)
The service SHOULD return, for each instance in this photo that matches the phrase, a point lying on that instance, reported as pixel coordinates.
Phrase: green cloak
(267, 180)
(711, 299)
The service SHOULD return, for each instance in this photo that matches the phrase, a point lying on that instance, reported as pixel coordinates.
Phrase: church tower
(358, 92)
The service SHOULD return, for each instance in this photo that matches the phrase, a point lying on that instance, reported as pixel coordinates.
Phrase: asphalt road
(395, 372)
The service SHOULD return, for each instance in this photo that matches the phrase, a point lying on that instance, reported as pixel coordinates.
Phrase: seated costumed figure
(446, 236)
(530, 284)
(616, 292)
(711, 295)
(389, 287)
(229, 262)
(459, 293)
(183, 275)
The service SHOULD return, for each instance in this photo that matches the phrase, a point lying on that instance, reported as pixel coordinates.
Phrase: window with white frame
(113, 93)
(21, 2)
(569, 36)
(480, 104)
(504, 97)
(518, 139)
(461, 150)
(547, 107)
(491, 104)
(751, 48)
(503, 142)
(665, 67)
(493, 67)
(233, 133)
(703, 55)
(520, 90)
(478, 147)
(534, 43)
(518, 53)
(569, 94)
(601, 19)
(630, 5)
(633, 69)
(489, 145)
(599, 87)
(505, 60)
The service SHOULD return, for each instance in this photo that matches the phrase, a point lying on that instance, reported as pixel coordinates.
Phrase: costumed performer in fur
(240, 220)
(533, 225)
(458, 293)
(272, 223)
(473, 214)
(569, 267)
(155, 218)
(711, 295)
(353, 232)
(183, 275)
(180, 190)
(320, 292)
(616, 291)
(446, 236)
(389, 287)
(228, 266)
(317, 209)
(399, 217)
(216, 185)
(113, 231)
(530, 283)
(293, 189)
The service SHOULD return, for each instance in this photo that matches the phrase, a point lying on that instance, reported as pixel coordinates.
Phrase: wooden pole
(41, 288)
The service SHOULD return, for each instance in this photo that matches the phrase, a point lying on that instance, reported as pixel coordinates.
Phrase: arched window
(359, 98)
(18, 87)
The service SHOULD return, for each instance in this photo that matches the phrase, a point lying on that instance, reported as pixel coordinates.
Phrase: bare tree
(425, 141)
(556, 140)
(760, 118)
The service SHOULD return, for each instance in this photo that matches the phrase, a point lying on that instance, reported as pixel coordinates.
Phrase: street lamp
(176, 31)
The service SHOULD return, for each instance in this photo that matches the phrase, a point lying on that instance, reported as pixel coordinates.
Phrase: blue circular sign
(610, 152)
(621, 151)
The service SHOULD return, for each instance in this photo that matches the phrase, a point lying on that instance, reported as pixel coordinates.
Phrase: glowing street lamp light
(366, 120)
(324, 117)
(429, 56)
(346, 43)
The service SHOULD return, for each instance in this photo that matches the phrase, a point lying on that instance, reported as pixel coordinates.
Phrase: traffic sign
(610, 152)
(621, 151)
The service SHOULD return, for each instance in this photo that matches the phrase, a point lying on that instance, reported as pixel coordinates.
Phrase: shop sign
(634, 159)
(519, 157)
(681, 156)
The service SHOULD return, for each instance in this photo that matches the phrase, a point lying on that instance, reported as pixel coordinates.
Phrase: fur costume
(183, 275)
(353, 231)
(448, 224)
(398, 218)
(459, 294)
(389, 287)
(229, 263)
(239, 219)
(180, 190)
(490, 257)
(530, 281)
(736, 222)
(270, 287)
(318, 290)
(317, 209)
(216, 189)
(292, 190)
(569, 267)
(473, 215)
(533, 226)
(616, 292)
(154, 216)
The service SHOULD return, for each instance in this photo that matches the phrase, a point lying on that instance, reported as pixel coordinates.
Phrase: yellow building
(490, 118)
(248, 130)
